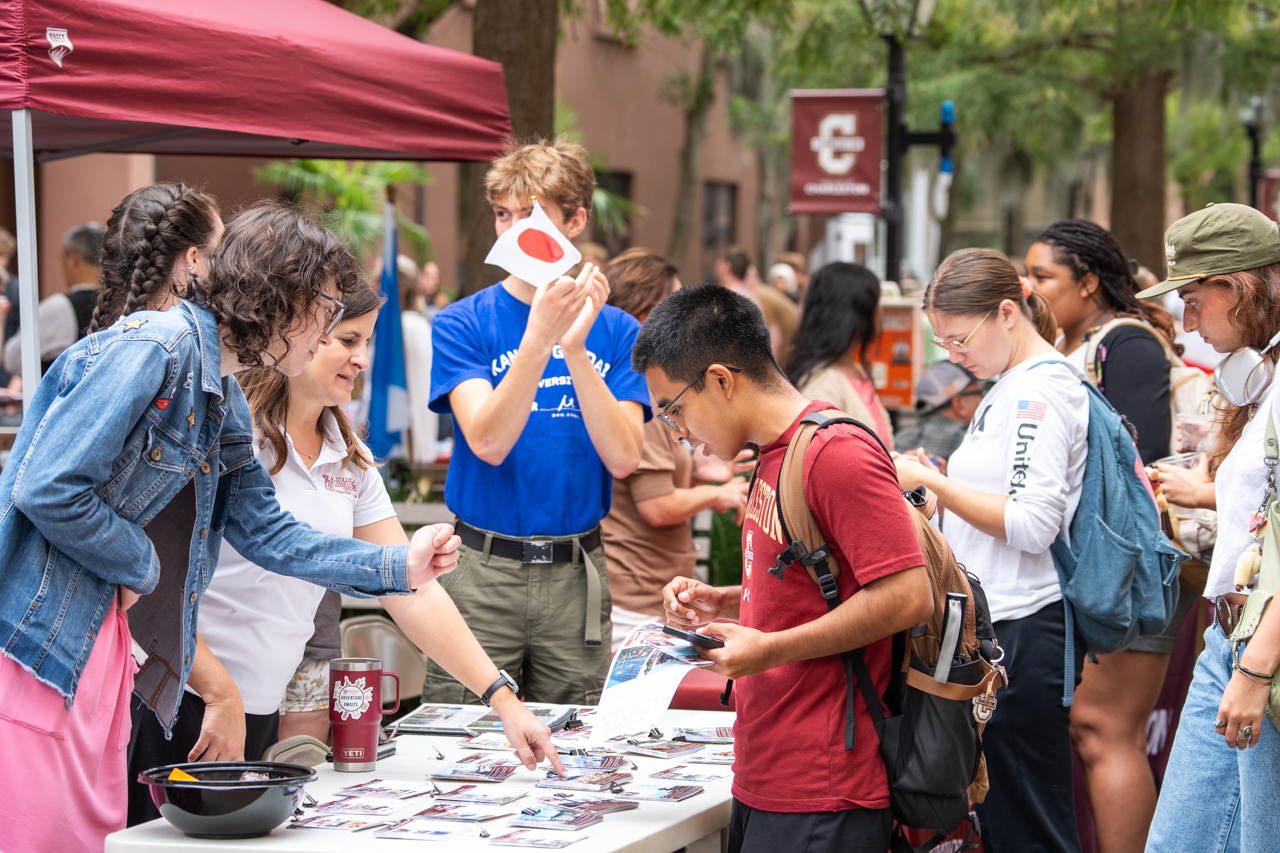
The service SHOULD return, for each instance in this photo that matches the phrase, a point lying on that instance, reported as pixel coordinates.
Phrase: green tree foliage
(349, 198)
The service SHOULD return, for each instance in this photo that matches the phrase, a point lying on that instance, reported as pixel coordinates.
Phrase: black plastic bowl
(219, 805)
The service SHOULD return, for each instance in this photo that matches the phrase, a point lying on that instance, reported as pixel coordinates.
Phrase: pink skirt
(63, 780)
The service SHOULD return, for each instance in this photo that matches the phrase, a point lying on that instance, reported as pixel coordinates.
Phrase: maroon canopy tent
(261, 78)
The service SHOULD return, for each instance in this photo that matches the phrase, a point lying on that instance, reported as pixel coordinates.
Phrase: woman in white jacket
(1013, 486)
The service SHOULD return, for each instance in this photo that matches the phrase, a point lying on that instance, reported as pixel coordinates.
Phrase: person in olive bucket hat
(1222, 787)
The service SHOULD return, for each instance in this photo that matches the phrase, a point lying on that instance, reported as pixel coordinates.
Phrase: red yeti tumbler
(355, 711)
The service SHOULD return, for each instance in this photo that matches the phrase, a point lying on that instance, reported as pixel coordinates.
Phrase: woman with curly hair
(139, 420)
(1222, 782)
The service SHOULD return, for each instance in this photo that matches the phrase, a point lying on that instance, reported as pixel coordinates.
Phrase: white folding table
(654, 827)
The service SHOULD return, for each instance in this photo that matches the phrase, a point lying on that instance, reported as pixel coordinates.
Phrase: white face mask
(1244, 375)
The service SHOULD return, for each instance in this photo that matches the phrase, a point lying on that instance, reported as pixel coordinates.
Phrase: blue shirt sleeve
(456, 353)
(624, 382)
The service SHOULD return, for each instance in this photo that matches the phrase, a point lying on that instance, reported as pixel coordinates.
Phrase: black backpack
(932, 743)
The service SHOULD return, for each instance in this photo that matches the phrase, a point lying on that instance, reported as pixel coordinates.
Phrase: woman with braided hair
(1085, 276)
(133, 464)
(157, 239)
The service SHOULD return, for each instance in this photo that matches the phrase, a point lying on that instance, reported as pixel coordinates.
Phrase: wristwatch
(503, 679)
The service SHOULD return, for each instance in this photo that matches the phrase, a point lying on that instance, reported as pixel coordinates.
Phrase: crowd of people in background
(192, 446)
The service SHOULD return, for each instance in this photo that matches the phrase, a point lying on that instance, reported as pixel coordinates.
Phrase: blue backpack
(1119, 575)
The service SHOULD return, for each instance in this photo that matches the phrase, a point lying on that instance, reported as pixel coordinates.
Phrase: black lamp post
(1251, 118)
(908, 18)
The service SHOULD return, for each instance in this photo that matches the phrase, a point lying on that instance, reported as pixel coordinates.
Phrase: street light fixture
(1251, 118)
(898, 19)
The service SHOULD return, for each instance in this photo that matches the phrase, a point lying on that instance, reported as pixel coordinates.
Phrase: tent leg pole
(24, 182)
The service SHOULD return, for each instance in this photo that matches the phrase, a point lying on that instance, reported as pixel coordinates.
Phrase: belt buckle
(537, 551)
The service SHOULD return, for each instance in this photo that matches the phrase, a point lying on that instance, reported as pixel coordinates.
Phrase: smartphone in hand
(707, 641)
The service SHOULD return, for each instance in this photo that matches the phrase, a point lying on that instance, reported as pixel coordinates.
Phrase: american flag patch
(1030, 410)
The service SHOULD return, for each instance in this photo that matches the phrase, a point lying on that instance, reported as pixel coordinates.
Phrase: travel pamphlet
(594, 780)
(478, 767)
(464, 812)
(661, 748)
(390, 790)
(543, 816)
(414, 829)
(336, 823)
(597, 803)
(528, 838)
(360, 806)
(720, 734)
(472, 719)
(472, 794)
(595, 762)
(681, 773)
(642, 680)
(669, 793)
(712, 755)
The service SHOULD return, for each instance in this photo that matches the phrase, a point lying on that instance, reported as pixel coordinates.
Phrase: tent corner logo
(59, 44)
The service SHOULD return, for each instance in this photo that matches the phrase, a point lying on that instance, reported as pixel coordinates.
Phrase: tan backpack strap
(798, 523)
(1094, 337)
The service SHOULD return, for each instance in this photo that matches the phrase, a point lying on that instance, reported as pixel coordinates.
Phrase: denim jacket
(122, 422)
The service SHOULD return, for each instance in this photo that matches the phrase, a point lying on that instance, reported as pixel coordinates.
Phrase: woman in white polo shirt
(1013, 486)
(258, 628)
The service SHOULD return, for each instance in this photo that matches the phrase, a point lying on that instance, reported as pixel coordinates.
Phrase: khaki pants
(530, 619)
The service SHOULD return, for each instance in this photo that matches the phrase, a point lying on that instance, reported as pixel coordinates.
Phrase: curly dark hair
(267, 391)
(1085, 247)
(145, 236)
(267, 275)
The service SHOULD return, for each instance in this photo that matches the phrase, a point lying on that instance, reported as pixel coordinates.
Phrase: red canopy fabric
(263, 78)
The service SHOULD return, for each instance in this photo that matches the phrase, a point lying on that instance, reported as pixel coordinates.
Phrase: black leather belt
(534, 550)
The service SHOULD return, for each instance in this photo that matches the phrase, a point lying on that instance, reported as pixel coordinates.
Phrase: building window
(719, 215)
(612, 211)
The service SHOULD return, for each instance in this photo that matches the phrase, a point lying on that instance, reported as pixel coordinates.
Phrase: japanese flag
(533, 250)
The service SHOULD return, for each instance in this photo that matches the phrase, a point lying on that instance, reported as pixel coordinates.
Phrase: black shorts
(852, 831)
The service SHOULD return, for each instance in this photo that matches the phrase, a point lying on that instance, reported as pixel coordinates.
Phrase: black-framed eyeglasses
(335, 313)
(665, 415)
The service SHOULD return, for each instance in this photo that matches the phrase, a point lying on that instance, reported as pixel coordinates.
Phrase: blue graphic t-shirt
(553, 482)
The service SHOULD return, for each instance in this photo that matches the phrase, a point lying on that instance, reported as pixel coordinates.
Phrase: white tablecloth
(655, 827)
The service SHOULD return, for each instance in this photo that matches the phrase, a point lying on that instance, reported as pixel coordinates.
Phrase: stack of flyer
(719, 734)
(389, 790)
(586, 780)
(472, 794)
(544, 816)
(527, 838)
(473, 719)
(661, 748)
(464, 812)
(590, 802)
(477, 767)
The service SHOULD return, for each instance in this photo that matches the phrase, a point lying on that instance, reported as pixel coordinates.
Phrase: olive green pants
(530, 619)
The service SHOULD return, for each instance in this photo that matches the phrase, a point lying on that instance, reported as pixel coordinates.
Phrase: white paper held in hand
(533, 250)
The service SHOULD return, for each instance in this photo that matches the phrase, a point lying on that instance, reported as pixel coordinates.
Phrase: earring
(190, 266)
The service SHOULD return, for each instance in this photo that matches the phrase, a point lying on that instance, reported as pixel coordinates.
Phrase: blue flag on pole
(389, 398)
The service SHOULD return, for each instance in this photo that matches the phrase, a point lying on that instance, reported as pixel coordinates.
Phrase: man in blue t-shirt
(546, 412)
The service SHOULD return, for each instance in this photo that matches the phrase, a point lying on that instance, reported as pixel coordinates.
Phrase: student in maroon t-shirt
(706, 355)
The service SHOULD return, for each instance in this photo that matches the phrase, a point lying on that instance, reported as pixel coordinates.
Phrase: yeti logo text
(59, 44)
(836, 145)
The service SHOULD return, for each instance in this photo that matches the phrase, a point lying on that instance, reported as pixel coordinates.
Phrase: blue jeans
(1216, 799)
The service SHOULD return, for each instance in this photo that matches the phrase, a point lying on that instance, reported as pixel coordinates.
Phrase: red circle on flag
(540, 246)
